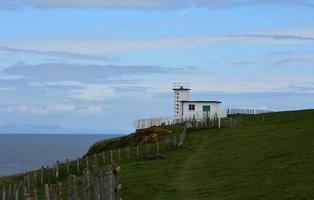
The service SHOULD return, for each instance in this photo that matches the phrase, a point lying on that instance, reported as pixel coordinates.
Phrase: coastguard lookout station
(186, 109)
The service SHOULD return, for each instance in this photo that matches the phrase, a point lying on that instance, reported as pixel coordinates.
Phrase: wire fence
(48, 183)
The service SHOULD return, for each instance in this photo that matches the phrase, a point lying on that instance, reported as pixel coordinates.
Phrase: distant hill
(49, 129)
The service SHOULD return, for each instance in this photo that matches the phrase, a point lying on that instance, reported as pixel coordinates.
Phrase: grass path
(272, 161)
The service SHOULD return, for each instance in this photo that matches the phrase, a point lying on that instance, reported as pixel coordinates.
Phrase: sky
(102, 64)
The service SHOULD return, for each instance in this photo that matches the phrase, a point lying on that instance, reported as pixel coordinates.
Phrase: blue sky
(102, 64)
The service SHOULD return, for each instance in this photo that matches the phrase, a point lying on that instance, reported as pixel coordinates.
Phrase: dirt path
(188, 181)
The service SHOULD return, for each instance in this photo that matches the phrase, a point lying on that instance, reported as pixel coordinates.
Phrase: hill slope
(271, 161)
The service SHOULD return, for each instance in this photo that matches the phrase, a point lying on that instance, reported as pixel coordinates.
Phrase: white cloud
(93, 92)
(100, 45)
(134, 4)
(93, 109)
(40, 110)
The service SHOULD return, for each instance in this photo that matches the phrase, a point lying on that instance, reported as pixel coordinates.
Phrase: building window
(191, 107)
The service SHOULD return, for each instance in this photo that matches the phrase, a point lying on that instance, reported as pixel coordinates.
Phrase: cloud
(39, 110)
(149, 4)
(233, 3)
(275, 37)
(8, 4)
(52, 72)
(58, 54)
(90, 47)
(93, 93)
(53, 109)
(132, 4)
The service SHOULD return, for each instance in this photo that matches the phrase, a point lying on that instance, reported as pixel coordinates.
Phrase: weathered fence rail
(99, 184)
(32, 185)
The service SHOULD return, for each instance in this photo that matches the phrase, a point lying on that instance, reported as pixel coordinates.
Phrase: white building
(198, 110)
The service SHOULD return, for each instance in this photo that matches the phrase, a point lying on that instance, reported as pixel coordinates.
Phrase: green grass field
(270, 157)
(263, 161)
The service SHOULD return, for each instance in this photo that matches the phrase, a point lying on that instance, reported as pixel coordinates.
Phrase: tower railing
(178, 85)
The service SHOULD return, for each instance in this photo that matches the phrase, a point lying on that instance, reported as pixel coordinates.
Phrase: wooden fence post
(4, 193)
(95, 159)
(87, 162)
(48, 174)
(68, 166)
(42, 176)
(60, 192)
(35, 178)
(16, 194)
(104, 157)
(175, 141)
(128, 152)
(72, 188)
(111, 156)
(55, 192)
(157, 146)
(9, 191)
(96, 184)
(147, 148)
(137, 152)
(86, 184)
(78, 166)
(57, 169)
(47, 193)
(119, 155)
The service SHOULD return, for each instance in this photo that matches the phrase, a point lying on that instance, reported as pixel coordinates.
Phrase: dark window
(191, 107)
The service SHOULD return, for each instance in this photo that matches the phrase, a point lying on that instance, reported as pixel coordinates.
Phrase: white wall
(198, 112)
(179, 95)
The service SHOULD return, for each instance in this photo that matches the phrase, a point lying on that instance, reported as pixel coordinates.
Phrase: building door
(206, 112)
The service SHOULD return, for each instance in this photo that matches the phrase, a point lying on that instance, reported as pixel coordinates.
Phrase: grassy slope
(273, 161)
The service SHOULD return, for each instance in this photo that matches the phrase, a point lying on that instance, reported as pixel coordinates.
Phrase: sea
(24, 152)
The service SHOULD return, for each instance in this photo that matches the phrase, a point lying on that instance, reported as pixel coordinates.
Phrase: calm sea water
(20, 152)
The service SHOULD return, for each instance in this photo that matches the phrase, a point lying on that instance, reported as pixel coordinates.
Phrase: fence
(247, 111)
(100, 184)
(33, 185)
(149, 122)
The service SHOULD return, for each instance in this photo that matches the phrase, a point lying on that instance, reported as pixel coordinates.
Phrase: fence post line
(104, 157)
(60, 192)
(137, 152)
(47, 194)
(119, 151)
(87, 162)
(42, 176)
(96, 184)
(95, 159)
(35, 179)
(72, 188)
(111, 156)
(128, 152)
(147, 148)
(35, 193)
(53, 169)
(16, 194)
(175, 141)
(68, 166)
(3, 193)
(78, 166)
(219, 122)
(86, 184)
(157, 146)
(57, 169)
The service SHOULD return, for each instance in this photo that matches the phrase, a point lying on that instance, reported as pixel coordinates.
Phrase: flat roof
(181, 89)
(201, 101)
